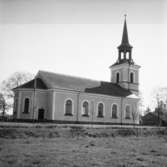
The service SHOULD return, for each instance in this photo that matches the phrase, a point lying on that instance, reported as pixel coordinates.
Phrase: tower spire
(125, 40)
(125, 47)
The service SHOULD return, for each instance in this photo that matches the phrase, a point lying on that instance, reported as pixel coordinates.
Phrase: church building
(63, 98)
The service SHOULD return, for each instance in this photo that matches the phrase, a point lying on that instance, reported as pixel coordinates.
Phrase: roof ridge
(72, 76)
(77, 77)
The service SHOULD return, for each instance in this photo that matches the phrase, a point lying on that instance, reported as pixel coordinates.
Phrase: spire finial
(125, 39)
(125, 15)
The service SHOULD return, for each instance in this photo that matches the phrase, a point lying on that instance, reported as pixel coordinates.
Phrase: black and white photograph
(83, 83)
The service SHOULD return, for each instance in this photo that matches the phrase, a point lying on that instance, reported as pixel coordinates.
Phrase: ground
(52, 146)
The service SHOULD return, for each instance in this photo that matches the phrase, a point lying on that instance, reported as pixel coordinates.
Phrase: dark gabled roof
(53, 80)
(108, 88)
(31, 84)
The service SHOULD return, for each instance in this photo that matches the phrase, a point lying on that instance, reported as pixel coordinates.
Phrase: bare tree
(159, 109)
(159, 95)
(147, 110)
(13, 81)
(3, 104)
(141, 103)
(135, 115)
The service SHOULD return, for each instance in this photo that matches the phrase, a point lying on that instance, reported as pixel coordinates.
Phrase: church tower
(125, 72)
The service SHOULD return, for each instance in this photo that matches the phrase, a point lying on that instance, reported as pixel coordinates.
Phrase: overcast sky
(80, 37)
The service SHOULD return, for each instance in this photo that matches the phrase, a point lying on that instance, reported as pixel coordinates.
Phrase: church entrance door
(41, 114)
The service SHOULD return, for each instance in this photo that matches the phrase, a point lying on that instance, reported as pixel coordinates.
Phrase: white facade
(53, 104)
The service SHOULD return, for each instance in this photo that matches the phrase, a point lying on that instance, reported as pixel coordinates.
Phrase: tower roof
(125, 40)
(124, 49)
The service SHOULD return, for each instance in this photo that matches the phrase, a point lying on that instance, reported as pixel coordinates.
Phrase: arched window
(114, 111)
(68, 108)
(100, 110)
(85, 109)
(131, 77)
(117, 77)
(26, 105)
(127, 112)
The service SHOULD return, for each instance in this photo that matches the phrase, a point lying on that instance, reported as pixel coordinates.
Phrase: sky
(80, 38)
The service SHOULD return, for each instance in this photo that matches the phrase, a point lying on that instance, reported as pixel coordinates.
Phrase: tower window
(26, 105)
(117, 77)
(122, 55)
(131, 77)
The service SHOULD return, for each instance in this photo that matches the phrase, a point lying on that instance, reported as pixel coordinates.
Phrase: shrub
(126, 132)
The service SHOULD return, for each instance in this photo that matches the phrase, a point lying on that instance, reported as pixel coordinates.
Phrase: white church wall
(22, 96)
(41, 102)
(53, 102)
(17, 104)
(37, 101)
(82, 98)
(114, 75)
(60, 99)
(133, 108)
(50, 107)
(94, 100)
(124, 71)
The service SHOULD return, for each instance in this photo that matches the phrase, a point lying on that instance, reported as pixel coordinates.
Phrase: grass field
(81, 147)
